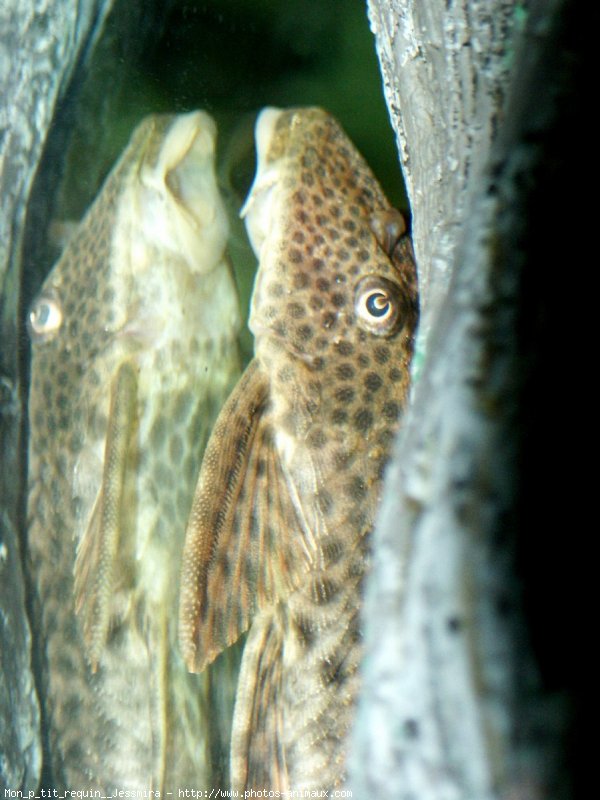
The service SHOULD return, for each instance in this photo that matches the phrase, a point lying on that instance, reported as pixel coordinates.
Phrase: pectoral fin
(236, 556)
(98, 547)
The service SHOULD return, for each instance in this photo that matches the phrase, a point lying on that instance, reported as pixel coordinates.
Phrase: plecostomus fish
(278, 539)
(133, 351)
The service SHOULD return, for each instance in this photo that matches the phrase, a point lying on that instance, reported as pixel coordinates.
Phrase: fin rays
(99, 545)
(238, 555)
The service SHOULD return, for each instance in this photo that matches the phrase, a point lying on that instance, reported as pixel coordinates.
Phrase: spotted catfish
(278, 539)
(133, 351)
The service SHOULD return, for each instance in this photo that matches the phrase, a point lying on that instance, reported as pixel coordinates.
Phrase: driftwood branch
(453, 705)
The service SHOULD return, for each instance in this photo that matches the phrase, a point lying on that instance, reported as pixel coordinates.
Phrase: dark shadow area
(550, 532)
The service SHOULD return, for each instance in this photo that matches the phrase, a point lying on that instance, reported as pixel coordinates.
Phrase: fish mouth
(182, 172)
(185, 161)
(258, 210)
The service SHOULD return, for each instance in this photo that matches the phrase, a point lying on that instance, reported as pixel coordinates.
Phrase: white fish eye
(45, 319)
(378, 305)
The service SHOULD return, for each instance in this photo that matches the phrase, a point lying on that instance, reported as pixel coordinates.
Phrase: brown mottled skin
(279, 536)
(133, 350)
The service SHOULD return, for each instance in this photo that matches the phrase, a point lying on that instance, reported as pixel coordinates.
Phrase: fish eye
(378, 305)
(45, 319)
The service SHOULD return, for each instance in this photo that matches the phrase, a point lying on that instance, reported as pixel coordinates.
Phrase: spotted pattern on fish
(133, 350)
(279, 535)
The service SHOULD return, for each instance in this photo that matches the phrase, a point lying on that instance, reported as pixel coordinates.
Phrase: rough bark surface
(452, 705)
(445, 70)
(41, 43)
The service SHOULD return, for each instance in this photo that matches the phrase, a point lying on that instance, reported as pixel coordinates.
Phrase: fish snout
(183, 208)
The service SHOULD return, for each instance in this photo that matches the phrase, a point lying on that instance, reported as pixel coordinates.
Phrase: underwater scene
(216, 325)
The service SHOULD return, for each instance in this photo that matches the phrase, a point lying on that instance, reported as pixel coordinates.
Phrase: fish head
(159, 208)
(334, 308)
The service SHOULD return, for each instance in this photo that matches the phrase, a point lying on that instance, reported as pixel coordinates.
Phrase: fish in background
(134, 349)
(279, 535)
